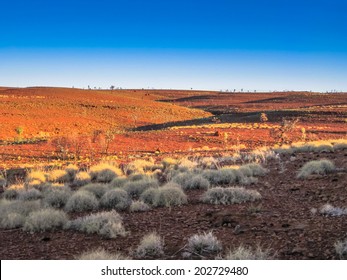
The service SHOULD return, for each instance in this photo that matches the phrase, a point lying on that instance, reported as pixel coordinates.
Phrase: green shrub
(101, 254)
(106, 224)
(81, 201)
(203, 243)
(321, 167)
(104, 173)
(151, 245)
(45, 220)
(229, 195)
(115, 199)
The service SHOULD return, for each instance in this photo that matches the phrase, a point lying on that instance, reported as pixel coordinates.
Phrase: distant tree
(112, 87)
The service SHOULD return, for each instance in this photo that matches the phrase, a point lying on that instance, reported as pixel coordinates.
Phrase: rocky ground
(283, 220)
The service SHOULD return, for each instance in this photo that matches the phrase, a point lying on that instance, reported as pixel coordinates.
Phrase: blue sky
(220, 44)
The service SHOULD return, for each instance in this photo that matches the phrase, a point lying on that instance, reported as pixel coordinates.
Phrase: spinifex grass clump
(246, 253)
(341, 249)
(191, 181)
(45, 220)
(321, 167)
(82, 178)
(205, 243)
(56, 197)
(106, 224)
(13, 213)
(104, 172)
(151, 245)
(115, 199)
(139, 206)
(59, 175)
(101, 254)
(136, 188)
(97, 189)
(170, 194)
(231, 195)
(81, 201)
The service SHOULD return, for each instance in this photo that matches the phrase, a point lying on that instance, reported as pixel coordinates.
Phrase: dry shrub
(104, 172)
(45, 220)
(81, 201)
(231, 195)
(321, 167)
(101, 254)
(151, 245)
(115, 199)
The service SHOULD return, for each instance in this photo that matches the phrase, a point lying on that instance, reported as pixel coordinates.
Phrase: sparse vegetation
(97, 189)
(139, 206)
(151, 245)
(115, 199)
(81, 201)
(321, 167)
(169, 195)
(45, 220)
(104, 173)
(101, 254)
(205, 243)
(106, 224)
(136, 188)
(230, 195)
(341, 249)
(82, 178)
(56, 197)
(246, 253)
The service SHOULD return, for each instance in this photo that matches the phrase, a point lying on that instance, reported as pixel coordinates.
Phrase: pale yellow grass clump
(104, 172)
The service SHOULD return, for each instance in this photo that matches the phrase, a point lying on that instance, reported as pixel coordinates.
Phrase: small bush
(151, 245)
(115, 199)
(104, 173)
(81, 201)
(106, 224)
(203, 243)
(341, 249)
(96, 188)
(169, 195)
(139, 206)
(229, 195)
(245, 253)
(101, 254)
(82, 178)
(45, 220)
(57, 197)
(191, 181)
(136, 188)
(321, 167)
(30, 194)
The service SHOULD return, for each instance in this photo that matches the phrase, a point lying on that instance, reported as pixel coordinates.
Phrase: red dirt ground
(161, 123)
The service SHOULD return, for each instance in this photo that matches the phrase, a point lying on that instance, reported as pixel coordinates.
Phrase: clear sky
(217, 44)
